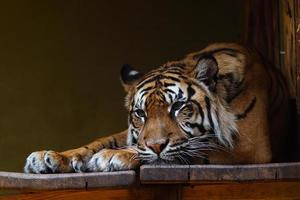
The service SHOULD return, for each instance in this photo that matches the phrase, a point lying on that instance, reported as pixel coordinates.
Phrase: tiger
(221, 105)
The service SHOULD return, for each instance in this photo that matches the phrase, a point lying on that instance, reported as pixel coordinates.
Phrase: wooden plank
(164, 173)
(254, 172)
(66, 181)
(264, 190)
(154, 192)
(141, 192)
(103, 194)
(268, 190)
(225, 173)
(287, 43)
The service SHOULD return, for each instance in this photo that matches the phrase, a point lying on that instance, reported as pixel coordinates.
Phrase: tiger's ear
(206, 71)
(129, 77)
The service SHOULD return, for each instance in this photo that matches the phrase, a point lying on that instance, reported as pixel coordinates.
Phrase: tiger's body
(217, 106)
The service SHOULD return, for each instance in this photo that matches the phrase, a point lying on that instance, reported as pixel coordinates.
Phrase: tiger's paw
(45, 162)
(108, 160)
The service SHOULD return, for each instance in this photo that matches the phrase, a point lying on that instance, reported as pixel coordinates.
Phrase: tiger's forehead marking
(163, 86)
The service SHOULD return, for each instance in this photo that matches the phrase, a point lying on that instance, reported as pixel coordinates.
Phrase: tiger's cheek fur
(191, 119)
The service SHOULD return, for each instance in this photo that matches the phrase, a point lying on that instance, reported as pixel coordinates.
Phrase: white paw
(108, 160)
(35, 163)
(44, 162)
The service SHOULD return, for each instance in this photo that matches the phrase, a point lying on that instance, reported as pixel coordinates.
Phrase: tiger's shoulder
(256, 92)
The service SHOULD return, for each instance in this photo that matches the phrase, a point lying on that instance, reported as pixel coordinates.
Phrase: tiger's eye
(177, 105)
(140, 113)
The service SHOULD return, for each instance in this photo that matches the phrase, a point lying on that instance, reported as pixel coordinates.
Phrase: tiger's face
(173, 111)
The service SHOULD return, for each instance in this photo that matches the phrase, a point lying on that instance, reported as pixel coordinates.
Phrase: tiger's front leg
(74, 160)
(108, 160)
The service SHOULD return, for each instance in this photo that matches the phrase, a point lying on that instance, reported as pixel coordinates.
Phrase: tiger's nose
(157, 147)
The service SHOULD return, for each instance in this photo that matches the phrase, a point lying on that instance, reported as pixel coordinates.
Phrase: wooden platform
(275, 181)
(10, 180)
(212, 173)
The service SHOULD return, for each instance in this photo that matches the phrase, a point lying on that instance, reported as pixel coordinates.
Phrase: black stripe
(168, 84)
(215, 51)
(115, 141)
(149, 75)
(146, 89)
(145, 154)
(247, 110)
(134, 140)
(140, 85)
(190, 91)
(171, 97)
(110, 159)
(208, 108)
(200, 110)
(142, 96)
(200, 127)
(183, 77)
(180, 94)
(156, 78)
(171, 78)
(170, 91)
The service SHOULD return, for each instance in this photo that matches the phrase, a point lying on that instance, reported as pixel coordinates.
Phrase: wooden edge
(11, 180)
(297, 28)
(265, 190)
(223, 173)
(164, 173)
(287, 21)
(255, 172)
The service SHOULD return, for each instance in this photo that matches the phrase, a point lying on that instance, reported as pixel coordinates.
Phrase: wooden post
(262, 28)
(297, 28)
(287, 21)
(271, 30)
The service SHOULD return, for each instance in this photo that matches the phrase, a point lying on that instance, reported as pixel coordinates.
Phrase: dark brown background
(60, 62)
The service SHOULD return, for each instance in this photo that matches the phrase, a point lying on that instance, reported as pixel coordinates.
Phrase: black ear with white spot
(207, 71)
(129, 76)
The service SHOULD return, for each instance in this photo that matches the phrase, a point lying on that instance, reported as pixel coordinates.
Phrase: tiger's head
(175, 112)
